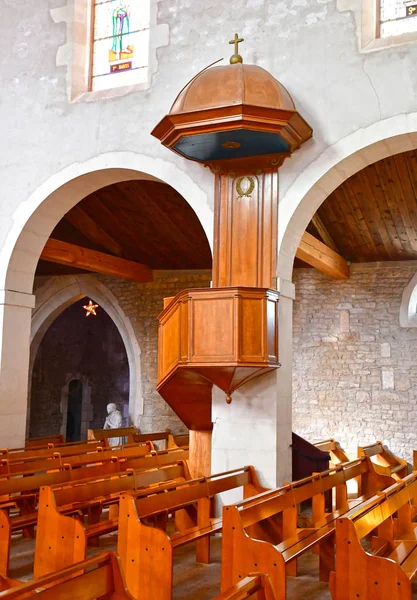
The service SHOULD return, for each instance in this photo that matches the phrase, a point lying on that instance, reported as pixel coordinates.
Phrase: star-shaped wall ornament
(90, 308)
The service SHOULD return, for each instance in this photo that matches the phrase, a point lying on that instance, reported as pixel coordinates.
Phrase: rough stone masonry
(355, 367)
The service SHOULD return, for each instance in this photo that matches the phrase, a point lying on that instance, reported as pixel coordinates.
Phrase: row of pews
(73, 494)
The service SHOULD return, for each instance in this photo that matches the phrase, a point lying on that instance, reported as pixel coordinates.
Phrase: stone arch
(408, 308)
(329, 170)
(57, 294)
(34, 220)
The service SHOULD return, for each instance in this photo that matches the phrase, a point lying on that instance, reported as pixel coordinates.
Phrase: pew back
(120, 432)
(14, 466)
(44, 440)
(71, 449)
(337, 454)
(385, 462)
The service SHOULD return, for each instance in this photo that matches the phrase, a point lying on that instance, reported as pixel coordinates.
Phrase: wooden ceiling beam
(313, 252)
(88, 227)
(324, 233)
(83, 258)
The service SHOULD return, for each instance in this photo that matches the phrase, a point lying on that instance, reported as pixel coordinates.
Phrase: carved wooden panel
(245, 231)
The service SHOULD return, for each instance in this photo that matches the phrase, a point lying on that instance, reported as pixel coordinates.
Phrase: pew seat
(385, 570)
(257, 585)
(98, 577)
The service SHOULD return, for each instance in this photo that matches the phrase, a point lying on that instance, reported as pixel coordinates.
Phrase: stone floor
(192, 581)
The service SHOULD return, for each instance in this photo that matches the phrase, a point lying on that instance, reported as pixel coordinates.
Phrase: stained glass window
(120, 43)
(397, 17)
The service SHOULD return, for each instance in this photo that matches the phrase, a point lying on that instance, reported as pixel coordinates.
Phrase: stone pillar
(245, 431)
(255, 429)
(284, 381)
(15, 323)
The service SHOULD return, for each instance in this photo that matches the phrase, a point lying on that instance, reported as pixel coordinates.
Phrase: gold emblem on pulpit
(245, 186)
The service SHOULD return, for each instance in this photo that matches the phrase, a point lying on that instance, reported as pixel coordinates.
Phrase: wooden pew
(337, 454)
(26, 503)
(62, 537)
(258, 585)
(169, 440)
(263, 533)
(146, 552)
(106, 434)
(102, 577)
(96, 578)
(71, 449)
(10, 466)
(384, 461)
(385, 571)
(44, 440)
(16, 489)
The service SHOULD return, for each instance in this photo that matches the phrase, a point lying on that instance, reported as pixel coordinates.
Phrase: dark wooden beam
(88, 227)
(323, 232)
(91, 260)
(318, 255)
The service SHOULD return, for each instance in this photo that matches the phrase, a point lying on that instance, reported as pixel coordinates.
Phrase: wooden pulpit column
(241, 122)
(245, 230)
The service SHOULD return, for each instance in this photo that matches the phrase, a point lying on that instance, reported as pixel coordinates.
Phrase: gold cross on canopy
(236, 58)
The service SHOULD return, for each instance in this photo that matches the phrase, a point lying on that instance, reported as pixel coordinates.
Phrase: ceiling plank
(88, 227)
(323, 258)
(91, 260)
(381, 202)
(323, 232)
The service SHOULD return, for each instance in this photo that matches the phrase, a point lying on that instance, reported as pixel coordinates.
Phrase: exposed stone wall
(355, 368)
(75, 347)
(141, 303)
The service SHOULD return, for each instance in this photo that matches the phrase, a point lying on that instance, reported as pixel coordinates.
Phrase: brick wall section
(355, 368)
(142, 303)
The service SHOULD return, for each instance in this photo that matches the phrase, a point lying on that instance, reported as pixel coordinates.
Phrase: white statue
(113, 421)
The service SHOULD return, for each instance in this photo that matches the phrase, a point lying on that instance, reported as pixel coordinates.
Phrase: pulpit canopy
(227, 114)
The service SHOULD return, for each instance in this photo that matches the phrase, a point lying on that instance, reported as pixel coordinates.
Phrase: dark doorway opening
(74, 412)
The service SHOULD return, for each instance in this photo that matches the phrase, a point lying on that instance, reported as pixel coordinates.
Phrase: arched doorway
(56, 294)
(80, 366)
(32, 226)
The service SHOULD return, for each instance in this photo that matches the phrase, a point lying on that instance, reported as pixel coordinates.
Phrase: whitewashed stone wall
(355, 367)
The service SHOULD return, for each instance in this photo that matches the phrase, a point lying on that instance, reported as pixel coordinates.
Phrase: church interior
(208, 302)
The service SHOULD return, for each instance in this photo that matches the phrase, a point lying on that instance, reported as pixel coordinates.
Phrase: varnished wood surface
(246, 231)
(372, 216)
(97, 577)
(385, 571)
(146, 553)
(337, 454)
(313, 252)
(63, 253)
(384, 461)
(143, 221)
(223, 336)
(263, 531)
